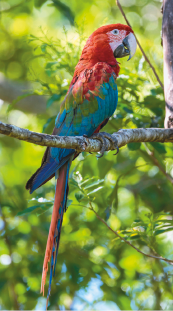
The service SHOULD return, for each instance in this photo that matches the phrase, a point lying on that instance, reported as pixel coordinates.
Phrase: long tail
(55, 226)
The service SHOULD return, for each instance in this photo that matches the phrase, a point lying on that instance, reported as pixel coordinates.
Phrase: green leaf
(39, 3)
(95, 183)
(86, 181)
(49, 124)
(65, 10)
(46, 204)
(134, 237)
(50, 64)
(159, 147)
(52, 99)
(28, 210)
(158, 111)
(73, 183)
(79, 196)
(165, 221)
(95, 190)
(43, 47)
(2, 283)
(157, 232)
(128, 110)
(133, 146)
(69, 202)
(33, 36)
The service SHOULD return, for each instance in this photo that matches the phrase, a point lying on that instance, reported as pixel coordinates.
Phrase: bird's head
(116, 39)
(106, 44)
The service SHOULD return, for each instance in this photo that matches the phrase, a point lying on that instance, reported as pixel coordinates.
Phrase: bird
(89, 103)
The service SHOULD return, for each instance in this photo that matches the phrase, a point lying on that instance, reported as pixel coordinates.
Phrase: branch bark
(80, 143)
(167, 35)
(10, 90)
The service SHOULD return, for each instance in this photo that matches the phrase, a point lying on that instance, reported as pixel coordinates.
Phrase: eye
(115, 31)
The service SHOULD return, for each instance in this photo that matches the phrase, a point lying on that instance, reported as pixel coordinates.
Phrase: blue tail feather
(46, 171)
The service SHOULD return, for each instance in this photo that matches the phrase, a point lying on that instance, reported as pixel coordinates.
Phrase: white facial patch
(116, 39)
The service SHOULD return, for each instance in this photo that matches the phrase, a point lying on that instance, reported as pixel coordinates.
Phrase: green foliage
(95, 269)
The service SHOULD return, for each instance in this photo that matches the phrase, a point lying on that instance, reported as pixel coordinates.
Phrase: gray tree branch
(80, 143)
(10, 90)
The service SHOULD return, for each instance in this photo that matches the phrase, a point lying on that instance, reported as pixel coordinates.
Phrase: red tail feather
(59, 194)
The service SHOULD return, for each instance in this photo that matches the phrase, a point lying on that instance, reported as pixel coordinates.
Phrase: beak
(128, 47)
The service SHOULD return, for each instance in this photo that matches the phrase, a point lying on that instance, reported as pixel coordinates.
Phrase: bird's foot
(102, 137)
(85, 136)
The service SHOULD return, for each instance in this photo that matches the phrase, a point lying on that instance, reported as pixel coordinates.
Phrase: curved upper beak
(128, 47)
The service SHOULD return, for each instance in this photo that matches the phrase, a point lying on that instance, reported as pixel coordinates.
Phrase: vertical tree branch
(167, 35)
(145, 56)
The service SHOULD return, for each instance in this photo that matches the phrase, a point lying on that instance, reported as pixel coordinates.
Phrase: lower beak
(128, 47)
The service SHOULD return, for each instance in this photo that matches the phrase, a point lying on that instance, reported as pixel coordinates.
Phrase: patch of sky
(111, 265)
(40, 304)
(133, 305)
(64, 268)
(1, 224)
(93, 291)
(106, 305)
(109, 273)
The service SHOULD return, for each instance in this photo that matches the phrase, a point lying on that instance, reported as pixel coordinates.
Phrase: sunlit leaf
(28, 210)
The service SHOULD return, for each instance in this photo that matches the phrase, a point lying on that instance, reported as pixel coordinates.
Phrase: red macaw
(90, 102)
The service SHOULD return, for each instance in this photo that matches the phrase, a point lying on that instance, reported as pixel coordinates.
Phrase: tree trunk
(167, 34)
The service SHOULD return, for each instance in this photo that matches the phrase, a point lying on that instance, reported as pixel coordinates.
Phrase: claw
(104, 147)
(117, 151)
(102, 137)
(113, 141)
(100, 156)
(85, 136)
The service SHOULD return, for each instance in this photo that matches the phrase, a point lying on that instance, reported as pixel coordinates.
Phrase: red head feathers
(101, 45)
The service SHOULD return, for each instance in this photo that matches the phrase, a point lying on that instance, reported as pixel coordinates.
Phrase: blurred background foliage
(40, 43)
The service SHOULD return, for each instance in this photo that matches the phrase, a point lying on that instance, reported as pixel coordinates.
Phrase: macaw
(90, 101)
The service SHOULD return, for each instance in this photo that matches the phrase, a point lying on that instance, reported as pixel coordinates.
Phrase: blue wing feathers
(78, 121)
